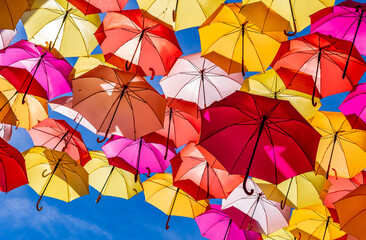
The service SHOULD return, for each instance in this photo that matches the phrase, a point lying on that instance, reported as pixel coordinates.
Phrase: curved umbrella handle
(128, 65)
(245, 183)
(250, 227)
(299, 236)
(18, 122)
(148, 172)
(167, 223)
(294, 32)
(45, 175)
(152, 73)
(335, 173)
(98, 198)
(39, 200)
(105, 137)
(283, 204)
(134, 189)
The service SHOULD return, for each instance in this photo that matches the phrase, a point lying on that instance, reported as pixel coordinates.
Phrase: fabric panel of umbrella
(235, 44)
(123, 103)
(160, 192)
(98, 6)
(110, 180)
(60, 25)
(5, 131)
(282, 234)
(6, 35)
(11, 12)
(55, 174)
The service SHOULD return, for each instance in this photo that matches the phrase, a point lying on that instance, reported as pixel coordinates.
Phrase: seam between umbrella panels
(6, 4)
(344, 153)
(150, 41)
(149, 146)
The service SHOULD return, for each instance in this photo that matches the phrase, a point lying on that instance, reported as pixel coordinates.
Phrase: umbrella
(341, 148)
(6, 35)
(98, 6)
(11, 11)
(110, 180)
(142, 156)
(282, 234)
(214, 224)
(12, 95)
(353, 107)
(341, 187)
(60, 136)
(193, 174)
(235, 44)
(351, 212)
(314, 222)
(322, 57)
(269, 84)
(123, 103)
(255, 212)
(5, 131)
(179, 14)
(345, 21)
(269, 139)
(301, 191)
(62, 26)
(138, 40)
(282, 15)
(55, 174)
(63, 105)
(12, 171)
(87, 63)
(51, 73)
(160, 192)
(196, 79)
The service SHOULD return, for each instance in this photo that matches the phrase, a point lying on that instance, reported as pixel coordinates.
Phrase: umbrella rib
(266, 128)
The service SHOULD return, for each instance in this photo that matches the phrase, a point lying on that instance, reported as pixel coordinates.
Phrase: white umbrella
(5, 131)
(6, 35)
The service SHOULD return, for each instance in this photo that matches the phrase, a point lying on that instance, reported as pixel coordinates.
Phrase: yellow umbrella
(55, 174)
(59, 22)
(14, 112)
(235, 44)
(314, 222)
(87, 63)
(110, 180)
(282, 15)
(160, 192)
(341, 148)
(301, 191)
(179, 14)
(282, 234)
(269, 84)
(11, 11)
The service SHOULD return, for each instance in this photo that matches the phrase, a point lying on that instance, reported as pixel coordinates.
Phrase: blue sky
(111, 218)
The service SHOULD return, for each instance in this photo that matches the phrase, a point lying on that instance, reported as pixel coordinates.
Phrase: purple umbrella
(6, 35)
(142, 156)
(354, 107)
(51, 73)
(214, 224)
(346, 21)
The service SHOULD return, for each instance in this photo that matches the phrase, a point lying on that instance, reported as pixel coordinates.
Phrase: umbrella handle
(18, 122)
(148, 172)
(291, 34)
(98, 198)
(39, 200)
(128, 65)
(105, 137)
(335, 173)
(152, 73)
(135, 191)
(245, 183)
(136, 176)
(299, 236)
(45, 175)
(283, 204)
(250, 227)
(242, 69)
(313, 101)
(174, 15)
(167, 223)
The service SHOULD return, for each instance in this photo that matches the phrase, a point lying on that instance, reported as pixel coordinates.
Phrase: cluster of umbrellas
(284, 169)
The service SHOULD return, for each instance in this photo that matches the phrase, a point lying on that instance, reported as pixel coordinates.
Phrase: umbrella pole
(261, 127)
(138, 160)
(293, 21)
(331, 154)
(227, 230)
(105, 184)
(8, 100)
(208, 180)
(52, 45)
(353, 43)
(316, 77)
(114, 114)
(48, 182)
(129, 64)
(326, 226)
(72, 134)
(250, 226)
(167, 139)
(203, 87)
(283, 202)
(171, 210)
(242, 48)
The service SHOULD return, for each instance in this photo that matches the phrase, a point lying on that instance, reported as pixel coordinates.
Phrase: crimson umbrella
(98, 6)
(322, 57)
(138, 40)
(260, 137)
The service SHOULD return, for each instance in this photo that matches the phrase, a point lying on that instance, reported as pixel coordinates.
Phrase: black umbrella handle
(245, 183)
(39, 200)
(293, 20)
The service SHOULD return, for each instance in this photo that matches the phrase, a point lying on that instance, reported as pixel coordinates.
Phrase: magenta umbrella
(354, 107)
(142, 156)
(214, 224)
(346, 21)
(51, 73)
(6, 35)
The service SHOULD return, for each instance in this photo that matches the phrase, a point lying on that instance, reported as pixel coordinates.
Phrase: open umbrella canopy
(123, 103)
(179, 14)
(62, 26)
(98, 6)
(6, 35)
(282, 234)
(11, 11)
(5, 131)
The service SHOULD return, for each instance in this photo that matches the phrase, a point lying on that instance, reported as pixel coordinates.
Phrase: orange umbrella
(118, 102)
(11, 12)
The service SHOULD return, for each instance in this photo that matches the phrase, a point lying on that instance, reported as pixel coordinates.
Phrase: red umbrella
(98, 6)
(60, 136)
(322, 57)
(139, 40)
(262, 137)
(12, 168)
(193, 174)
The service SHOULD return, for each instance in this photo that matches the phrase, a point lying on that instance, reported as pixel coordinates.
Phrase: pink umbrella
(196, 79)
(255, 212)
(6, 35)
(5, 131)
(214, 224)
(142, 156)
(346, 21)
(353, 107)
(51, 73)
